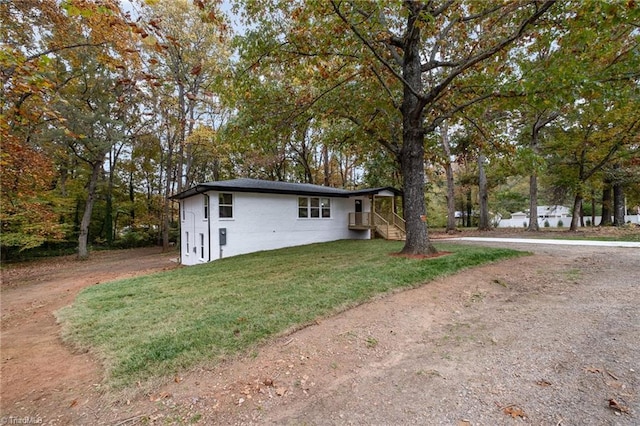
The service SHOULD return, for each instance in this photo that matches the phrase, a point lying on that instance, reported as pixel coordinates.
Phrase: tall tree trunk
(542, 120)
(108, 218)
(448, 170)
(182, 131)
(415, 212)
(132, 199)
(593, 208)
(469, 209)
(618, 204)
(483, 194)
(188, 161)
(606, 204)
(325, 160)
(412, 152)
(577, 212)
(167, 202)
(83, 238)
(533, 203)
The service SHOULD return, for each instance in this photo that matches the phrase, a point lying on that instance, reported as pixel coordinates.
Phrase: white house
(228, 218)
(552, 214)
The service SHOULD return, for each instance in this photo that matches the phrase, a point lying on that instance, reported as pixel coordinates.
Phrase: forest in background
(110, 108)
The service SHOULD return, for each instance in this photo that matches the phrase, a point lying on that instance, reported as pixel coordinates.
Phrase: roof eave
(204, 188)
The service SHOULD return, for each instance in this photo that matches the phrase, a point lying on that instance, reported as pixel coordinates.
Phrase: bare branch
(344, 19)
(470, 62)
(449, 114)
(386, 88)
(320, 96)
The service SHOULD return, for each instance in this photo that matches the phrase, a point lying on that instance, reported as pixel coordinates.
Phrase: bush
(588, 223)
(546, 224)
(560, 224)
(48, 249)
(133, 239)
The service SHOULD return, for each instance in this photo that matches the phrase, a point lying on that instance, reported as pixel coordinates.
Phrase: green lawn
(155, 325)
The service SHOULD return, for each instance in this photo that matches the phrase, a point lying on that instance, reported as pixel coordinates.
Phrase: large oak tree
(416, 51)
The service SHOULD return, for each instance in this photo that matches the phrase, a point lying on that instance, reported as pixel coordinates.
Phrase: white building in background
(557, 217)
(552, 214)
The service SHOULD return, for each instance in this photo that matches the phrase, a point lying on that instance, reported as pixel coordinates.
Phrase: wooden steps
(391, 232)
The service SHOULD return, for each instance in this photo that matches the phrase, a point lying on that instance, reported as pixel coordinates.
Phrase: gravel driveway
(549, 339)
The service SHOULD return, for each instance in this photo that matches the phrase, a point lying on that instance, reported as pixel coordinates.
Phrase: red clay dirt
(40, 374)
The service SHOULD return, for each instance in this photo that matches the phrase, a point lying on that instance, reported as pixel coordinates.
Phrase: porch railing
(360, 220)
(392, 219)
(386, 224)
(382, 224)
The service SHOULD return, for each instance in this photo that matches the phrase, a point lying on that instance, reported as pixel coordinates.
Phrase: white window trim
(320, 208)
(232, 205)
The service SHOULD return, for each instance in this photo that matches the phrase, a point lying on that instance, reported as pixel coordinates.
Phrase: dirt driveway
(545, 339)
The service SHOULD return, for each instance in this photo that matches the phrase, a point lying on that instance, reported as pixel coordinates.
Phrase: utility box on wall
(223, 236)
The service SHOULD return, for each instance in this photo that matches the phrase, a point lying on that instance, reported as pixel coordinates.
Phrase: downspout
(208, 227)
(180, 230)
(208, 220)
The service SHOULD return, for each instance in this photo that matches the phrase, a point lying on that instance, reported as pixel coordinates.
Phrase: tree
(187, 57)
(448, 168)
(93, 127)
(600, 127)
(35, 35)
(399, 46)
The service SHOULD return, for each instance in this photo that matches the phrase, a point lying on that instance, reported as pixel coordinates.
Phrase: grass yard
(156, 325)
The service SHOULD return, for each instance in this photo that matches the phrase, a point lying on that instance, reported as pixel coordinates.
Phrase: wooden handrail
(383, 220)
(399, 222)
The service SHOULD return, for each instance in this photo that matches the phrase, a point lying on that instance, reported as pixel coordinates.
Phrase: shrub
(560, 224)
(133, 239)
(546, 224)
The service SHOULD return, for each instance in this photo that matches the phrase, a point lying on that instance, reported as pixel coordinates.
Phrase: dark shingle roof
(272, 187)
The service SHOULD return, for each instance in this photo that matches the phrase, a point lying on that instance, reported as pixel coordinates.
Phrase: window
(206, 206)
(184, 209)
(314, 207)
(303, 207)
(201, 246)
(186, 238)
(225, 205)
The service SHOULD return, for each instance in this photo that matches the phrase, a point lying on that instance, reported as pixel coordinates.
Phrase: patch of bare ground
(42, 378)
(544, 339)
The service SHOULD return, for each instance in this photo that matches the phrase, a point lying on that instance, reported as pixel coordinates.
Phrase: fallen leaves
(615, 405)
(160, 396)
(514, 411)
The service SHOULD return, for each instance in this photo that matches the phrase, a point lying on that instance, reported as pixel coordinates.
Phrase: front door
(358, 212)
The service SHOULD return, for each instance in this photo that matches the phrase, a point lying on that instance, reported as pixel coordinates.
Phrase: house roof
(273, 187)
